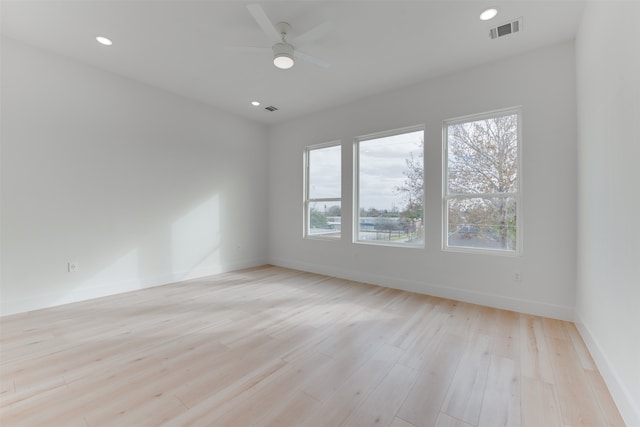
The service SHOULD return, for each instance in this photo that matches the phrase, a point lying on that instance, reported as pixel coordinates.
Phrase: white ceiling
(375, 46)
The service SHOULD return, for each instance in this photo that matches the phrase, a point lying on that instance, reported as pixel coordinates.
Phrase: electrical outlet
(72, 266)
(517, 277)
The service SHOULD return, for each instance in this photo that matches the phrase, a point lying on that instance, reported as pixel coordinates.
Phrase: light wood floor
(277, 347)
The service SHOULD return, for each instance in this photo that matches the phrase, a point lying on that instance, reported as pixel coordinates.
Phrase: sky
(382, 162)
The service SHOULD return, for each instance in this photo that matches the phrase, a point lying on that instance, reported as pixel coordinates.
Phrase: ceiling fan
(284, 53)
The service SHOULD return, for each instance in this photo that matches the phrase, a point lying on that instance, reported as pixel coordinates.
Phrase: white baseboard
(628, 407)
(53, 299)
(491, 300)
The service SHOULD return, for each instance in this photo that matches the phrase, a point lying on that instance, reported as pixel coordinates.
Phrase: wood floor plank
(612, 416)
(293, 413)
(574, 394)
(506, 341)
(214, 401)
(423, 404)
(501, 400)
(445, 420)
(463, 318)
(539, 404)
(339, 405)
(399, 422)
(429, 337)
(464, 400)
(271, 346)
(580, 348)
(535, 357)
(487, 321)
(381, 406)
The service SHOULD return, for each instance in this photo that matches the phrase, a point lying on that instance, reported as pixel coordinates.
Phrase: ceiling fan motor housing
(283, 55)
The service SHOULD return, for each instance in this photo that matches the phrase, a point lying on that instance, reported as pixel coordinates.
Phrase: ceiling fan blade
(264, 22)
(315, 33)
(310, 58)
(248, 49)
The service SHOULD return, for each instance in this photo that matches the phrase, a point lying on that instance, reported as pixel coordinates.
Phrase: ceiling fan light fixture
(283, 55)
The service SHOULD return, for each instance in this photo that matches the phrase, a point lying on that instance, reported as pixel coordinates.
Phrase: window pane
(486, 223)
(483, 156)
(325, 219)
(324, 173)
(390, 193)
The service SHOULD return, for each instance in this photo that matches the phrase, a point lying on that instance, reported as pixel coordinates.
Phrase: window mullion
(330, 199)
(480, 195)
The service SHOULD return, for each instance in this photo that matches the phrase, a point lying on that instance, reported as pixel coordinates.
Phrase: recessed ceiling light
(255, 103)
(103, 40)
(488, 14)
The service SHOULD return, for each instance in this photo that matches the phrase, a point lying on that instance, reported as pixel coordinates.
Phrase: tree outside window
(482, 183)
(390, 193)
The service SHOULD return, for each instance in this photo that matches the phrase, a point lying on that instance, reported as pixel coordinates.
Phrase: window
(482, 183)
(389, 177)
(323, 189)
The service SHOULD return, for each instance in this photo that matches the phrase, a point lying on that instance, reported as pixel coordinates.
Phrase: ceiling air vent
(271, 108)
(506, 29)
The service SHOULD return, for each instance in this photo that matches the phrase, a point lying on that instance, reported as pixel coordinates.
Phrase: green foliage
(317, 219)
(413, 187)
(334, 211)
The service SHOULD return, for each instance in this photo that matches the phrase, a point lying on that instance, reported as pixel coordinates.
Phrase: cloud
(382, 163)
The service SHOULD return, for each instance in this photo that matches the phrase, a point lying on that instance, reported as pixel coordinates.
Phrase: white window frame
(356, 186)
(445, 185)
(308, 200)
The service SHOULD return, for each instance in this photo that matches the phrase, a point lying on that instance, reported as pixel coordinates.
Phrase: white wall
(142, 187)
(138, 186)
(608, 284)
(543, 83)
